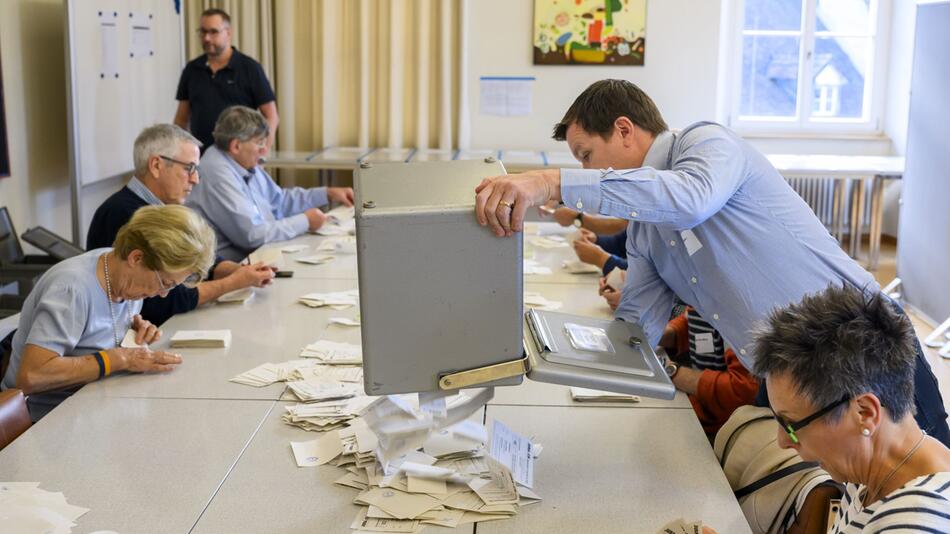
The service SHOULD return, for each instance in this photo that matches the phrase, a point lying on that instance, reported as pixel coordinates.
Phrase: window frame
(806, 123)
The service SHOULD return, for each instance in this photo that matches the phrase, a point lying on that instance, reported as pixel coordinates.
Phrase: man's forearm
(687, 380)
(212, 289)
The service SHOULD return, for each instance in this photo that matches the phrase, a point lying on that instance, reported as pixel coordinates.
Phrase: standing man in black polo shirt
(220, 78)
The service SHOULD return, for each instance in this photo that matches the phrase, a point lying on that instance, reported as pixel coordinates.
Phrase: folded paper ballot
(533, 267)
(344, 321)
(342, 213)
(210, 339)
(538, 301)
(615, 278)
(272, 257)
(593, 395)
(331, 352)
(339, 300)
(237, 296)
(317, 260)
(290, 249)
(552, 241)
(579, 267)
(342, 245)
(128, 342)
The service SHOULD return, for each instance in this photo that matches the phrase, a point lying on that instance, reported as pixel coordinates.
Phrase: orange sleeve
(719, 393)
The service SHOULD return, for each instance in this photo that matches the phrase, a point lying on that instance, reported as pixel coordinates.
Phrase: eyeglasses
(189, 281)
(190, 168)
(213, 32)
(790, 427)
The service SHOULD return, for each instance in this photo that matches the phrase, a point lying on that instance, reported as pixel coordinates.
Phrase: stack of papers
(331, 352)
(593, 395)
(537, 301)
(339, 300)
(268, 373)
(201, 339)
(579, 267)
(24, 507)
(343, 245)
(272, 257)
(551, 241)
(237, 296)
(323, 416)
(308, 391)
(533, 267)
(316, 260)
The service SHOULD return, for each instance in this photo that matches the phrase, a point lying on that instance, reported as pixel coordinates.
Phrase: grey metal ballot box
(441, 298)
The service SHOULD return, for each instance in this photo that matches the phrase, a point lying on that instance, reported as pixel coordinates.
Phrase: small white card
(290, 249)
(705, 343)
(317, 260)
(344, 321)
(692, 242)
(615, 278)
(128, 342)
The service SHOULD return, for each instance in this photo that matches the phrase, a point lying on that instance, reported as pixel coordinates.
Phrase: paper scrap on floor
(25, 507)
(204, 339)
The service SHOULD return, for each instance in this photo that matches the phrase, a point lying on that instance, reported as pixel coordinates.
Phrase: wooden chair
(14, 416)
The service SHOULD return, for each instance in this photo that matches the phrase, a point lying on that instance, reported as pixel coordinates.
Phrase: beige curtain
(373, 73)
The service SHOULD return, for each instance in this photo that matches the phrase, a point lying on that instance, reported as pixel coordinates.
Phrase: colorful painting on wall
(589, 32)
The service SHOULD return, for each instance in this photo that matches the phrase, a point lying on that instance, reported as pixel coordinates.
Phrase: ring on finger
(505, 203)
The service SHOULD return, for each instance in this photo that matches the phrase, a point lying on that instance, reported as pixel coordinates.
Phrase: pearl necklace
(115, 330)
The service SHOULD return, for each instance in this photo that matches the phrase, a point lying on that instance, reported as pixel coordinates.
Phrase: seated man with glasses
(840, 372)
(166, 170)
(74, 321)
(242, 202)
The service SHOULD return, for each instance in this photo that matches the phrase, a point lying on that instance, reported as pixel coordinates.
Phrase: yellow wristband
(105, 362)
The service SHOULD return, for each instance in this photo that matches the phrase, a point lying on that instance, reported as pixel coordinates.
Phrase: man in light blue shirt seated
(244, 205)
(710, 220)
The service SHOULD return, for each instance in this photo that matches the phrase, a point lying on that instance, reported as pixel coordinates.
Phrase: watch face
(577, 223)
(671, 368)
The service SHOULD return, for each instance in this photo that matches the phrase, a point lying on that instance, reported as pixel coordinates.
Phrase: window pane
(773, 15)
(839, 67)
(843, 16)
(769, 76)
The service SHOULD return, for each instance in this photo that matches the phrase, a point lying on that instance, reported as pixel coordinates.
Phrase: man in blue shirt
(710, 221)
(244, 205)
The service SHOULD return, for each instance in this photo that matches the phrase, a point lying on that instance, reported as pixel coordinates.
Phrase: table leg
(877, 221)
(857, 216)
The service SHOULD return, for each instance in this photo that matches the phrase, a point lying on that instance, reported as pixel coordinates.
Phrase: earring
(865, 432)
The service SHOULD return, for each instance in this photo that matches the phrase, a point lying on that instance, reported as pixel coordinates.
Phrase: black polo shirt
(241, 82)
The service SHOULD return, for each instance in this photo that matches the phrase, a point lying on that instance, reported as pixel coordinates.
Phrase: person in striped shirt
(839, 366)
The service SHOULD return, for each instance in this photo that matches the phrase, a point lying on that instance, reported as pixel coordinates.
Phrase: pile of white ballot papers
(24, 507)
(201, 339)
(424, 460)
(339, 300)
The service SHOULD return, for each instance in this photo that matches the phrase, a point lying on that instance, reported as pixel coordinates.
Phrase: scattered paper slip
(344, 321)
(579, 267)
(538, 301)
(205, 339)
(331, 352)
(290, 249)
(616, 278)
(553, 241)
(318, 451)
(237, 296)
(316, 260)
(339, 300)
(343, 245)
(25, 507)
(533, 267)
(592, 395)
(514, 451)
(329, 229)
(272, 257)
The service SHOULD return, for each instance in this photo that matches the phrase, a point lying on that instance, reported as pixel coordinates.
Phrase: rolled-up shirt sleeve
(237, 217)
(704, 176)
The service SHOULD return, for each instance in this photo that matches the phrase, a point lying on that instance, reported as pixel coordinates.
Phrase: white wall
(679, 72)
(34, 84)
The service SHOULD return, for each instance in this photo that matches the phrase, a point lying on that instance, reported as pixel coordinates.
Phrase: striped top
(921, 505)
(706, 348)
